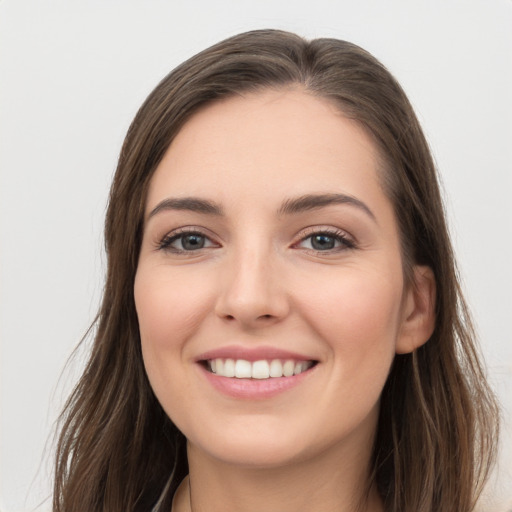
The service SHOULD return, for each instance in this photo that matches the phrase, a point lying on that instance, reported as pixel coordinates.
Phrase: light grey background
(73, 73)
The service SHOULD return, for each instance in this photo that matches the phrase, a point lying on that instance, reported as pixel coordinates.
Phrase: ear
(418, 318)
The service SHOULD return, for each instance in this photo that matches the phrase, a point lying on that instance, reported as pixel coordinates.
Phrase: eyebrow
(193, 204)
(316, 201)
(290, 206)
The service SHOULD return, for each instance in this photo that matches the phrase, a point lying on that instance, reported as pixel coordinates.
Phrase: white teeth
(261, 370)
(288, 368)
(297, 369)
(229, 368)
(276, 368)
(242, 369)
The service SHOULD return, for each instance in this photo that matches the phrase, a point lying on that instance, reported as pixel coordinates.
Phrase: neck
(216, 486)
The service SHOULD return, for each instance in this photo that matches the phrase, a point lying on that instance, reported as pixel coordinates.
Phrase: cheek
(169, 307)
(358, 315)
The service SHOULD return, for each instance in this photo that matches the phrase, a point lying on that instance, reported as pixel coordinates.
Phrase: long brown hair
(437, 430)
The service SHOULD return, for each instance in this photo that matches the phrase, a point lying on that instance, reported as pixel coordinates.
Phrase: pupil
(192, 242)
(320, 242)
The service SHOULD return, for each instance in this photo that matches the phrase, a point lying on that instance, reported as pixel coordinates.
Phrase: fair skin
(285, 249)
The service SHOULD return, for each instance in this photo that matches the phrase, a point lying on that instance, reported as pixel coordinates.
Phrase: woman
(282, 326)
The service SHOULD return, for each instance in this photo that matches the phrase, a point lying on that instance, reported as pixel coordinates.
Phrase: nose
(252, 292)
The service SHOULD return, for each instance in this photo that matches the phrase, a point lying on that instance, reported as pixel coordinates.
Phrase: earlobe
(419, 320)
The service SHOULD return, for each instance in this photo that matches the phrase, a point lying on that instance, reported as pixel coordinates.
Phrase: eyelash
(345, 242)
(166, 243)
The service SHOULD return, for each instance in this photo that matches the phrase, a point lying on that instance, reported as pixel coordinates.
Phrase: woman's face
(270, 249)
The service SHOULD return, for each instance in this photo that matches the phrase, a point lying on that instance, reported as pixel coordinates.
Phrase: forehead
(265, 142)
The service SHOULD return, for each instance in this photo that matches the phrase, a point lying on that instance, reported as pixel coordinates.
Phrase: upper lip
(252, 354)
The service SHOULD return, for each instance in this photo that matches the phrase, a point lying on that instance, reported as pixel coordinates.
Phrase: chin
(249, 448)
(254, 456)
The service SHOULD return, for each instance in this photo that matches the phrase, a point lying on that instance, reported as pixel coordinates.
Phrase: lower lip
(254, 389)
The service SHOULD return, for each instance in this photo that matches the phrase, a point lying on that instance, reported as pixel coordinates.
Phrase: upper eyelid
(185, 230)
(163, 242)
(346, 239)
(331, 230)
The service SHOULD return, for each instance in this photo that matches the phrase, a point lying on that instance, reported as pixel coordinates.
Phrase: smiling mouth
(263, 369)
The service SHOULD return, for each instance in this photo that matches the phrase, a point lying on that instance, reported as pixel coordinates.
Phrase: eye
(324, 241)
(185, 241)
